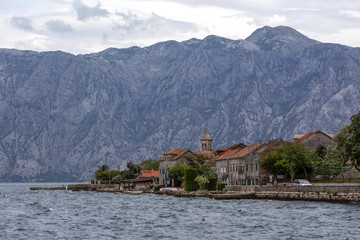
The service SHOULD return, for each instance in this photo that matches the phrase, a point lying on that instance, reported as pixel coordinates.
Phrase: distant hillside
(65, 115)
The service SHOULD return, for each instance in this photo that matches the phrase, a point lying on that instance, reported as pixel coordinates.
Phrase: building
(154, 174)
(177, 156)
(206, 141)
(170, 159)
(313, 139)
(240, 164)
(138, 184)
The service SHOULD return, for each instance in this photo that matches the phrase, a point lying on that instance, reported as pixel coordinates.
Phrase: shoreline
(332, 194)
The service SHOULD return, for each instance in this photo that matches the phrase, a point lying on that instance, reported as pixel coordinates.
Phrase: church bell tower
(206, 141)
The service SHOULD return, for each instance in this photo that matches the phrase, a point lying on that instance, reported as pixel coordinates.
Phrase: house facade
(313, 139)
(170, 159)
(240, 165)
(177, 156)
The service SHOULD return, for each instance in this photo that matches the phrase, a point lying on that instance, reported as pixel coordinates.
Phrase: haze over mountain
(61, 116)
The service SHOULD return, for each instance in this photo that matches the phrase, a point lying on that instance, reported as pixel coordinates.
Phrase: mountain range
(64, 115)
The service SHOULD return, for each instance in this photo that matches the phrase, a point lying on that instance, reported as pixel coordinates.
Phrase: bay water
(26, 214)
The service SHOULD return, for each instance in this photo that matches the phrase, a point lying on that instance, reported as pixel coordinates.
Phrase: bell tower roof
(206, 135)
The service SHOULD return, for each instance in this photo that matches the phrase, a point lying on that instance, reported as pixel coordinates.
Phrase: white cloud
(82, 26)
(275, 20)
(352, 14)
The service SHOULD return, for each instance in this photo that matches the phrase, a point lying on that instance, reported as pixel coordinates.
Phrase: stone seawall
(323, 188)
(83, 187)
(48, 188)
(336, 197)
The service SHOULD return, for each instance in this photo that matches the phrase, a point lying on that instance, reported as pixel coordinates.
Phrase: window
(251, 168)
(247, 167)
(256, 167)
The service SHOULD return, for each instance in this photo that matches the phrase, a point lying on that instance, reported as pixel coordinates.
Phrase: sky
(87, 26)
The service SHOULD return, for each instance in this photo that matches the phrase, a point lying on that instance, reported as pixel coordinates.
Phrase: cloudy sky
(85, 26)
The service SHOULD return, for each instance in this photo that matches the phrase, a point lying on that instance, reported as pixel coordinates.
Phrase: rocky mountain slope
(61, 116)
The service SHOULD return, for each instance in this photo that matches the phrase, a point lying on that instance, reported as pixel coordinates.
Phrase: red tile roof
(180, 154)
(175, 153)
(237, 152)
(308, 135)
(209, 154)
(149, 173)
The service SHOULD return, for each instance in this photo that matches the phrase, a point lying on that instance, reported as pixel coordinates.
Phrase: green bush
(211, 185)
(221, 186)
(157, 187)
(189, 179)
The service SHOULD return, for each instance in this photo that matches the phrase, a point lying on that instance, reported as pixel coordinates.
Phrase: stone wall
(326, 188)
(91, 187)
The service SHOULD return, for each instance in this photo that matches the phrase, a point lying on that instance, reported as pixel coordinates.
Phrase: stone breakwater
(337, 193)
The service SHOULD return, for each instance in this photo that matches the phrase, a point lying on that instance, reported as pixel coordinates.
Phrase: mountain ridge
(67, 114)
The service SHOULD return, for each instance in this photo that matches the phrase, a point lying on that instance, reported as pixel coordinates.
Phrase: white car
(301, 182)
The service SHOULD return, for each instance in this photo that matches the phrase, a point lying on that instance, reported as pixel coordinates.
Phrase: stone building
(313, 139)
(240, 164)
(170, 159)
(206, 141)
(177, 156)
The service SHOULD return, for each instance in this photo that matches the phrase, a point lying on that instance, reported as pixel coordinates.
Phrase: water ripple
(90, 215)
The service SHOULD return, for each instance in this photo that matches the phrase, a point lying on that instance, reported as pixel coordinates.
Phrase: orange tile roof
(237, 153)
(176, 154)
(149, 173)
(174, 151)
(247, 150)
(210, 154)
(308, 135)
(180, 154)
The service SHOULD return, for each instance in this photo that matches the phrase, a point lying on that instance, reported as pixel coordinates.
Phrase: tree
(328, 165)
(352, 145)
(299, 158)
(150, 164)
(207, 171)
(271, 163)
(341, 138)
(189, 179)
(177, 173)
(291, 160)
(201, 181)
(197, 160)
(132, 171)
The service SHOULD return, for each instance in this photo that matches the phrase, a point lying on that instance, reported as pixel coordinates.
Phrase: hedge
(221, 186)
(211, 185)
(189, 179)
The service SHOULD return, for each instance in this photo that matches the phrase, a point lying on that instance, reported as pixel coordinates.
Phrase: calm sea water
(29, 214)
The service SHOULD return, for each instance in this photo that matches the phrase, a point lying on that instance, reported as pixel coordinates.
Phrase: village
(237, 165)
(315, 166)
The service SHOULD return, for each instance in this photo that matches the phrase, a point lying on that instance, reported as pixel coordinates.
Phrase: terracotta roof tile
(206, 153)
(180, 154)
(174, 151)
(237, 153)
(308, 135)
(149, 173)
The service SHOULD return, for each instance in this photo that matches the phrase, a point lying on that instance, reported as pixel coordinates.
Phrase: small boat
(170, 189)
(134, 192)
(116, 192)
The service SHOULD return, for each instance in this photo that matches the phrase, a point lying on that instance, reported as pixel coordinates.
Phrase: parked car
(301, 182)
